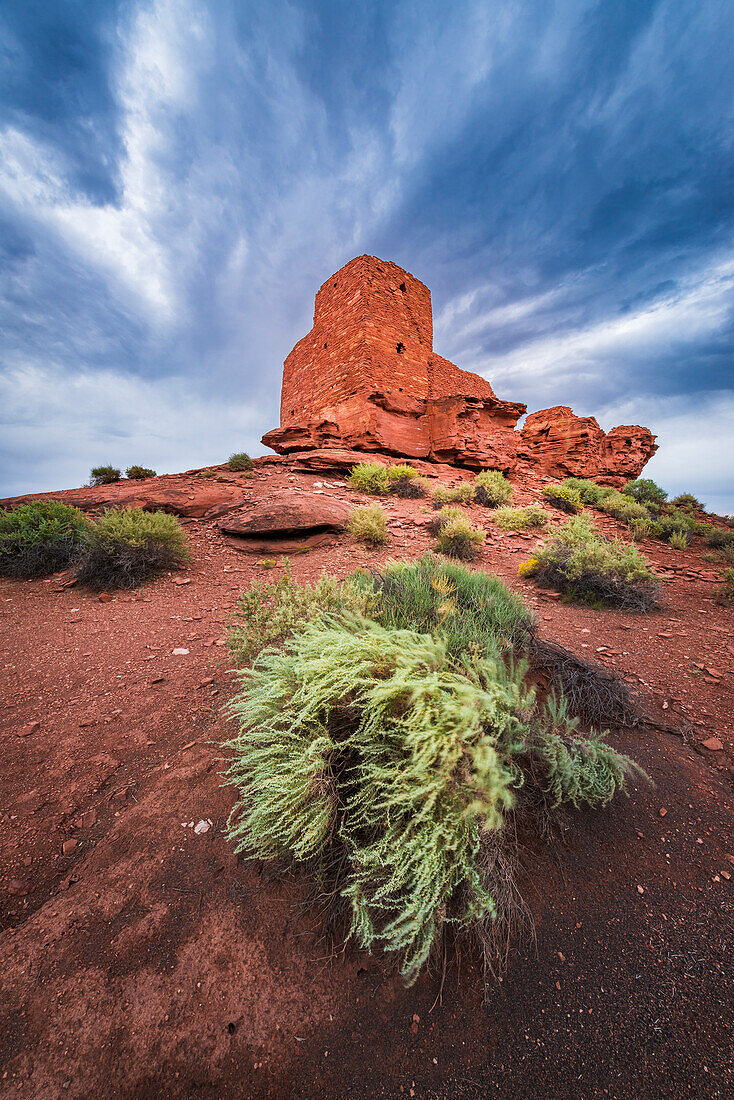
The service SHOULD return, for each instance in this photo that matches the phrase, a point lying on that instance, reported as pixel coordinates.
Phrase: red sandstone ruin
(366, 377)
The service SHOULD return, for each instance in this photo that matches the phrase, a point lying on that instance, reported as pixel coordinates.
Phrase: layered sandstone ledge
(366, 378)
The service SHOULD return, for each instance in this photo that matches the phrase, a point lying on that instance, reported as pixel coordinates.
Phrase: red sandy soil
(138, 959)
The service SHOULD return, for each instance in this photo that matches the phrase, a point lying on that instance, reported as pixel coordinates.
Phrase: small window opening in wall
(326, 346)
(400, 348)
(293, 412)
(403, 287)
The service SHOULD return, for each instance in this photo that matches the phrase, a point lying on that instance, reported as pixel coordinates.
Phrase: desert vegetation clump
(678, 540)
(623, 508)
(38, 538)
(587, 567)
(404, 481)
(369, 477)
(519, 519)
(457, 537)
(126, 547)
(369, 524)
(645, 491)
(725, 592)
(392, 767)
(139, 473)
(491, 488)
(240, 462)
(566, 500)
(687, 503)
(104, 475)
(460, 494)
(590, 492)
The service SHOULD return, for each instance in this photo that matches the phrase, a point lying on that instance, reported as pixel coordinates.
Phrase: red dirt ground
(138, 959)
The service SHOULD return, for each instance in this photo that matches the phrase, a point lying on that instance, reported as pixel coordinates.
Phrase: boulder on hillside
(288, 520)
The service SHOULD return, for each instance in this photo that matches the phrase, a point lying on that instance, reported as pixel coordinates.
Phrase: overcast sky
(177, 178)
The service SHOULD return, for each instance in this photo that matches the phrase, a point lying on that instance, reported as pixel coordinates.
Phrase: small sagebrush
(567, 500)
(39, 538)
(104, 475)
(724, 594)
(128, 546)
(519, 519)
(589, 491)
(587, 567)
(240, 462)
(409, 488)
(688, 503)
(491, 488)
(461, 494)
(369, 524)
(138, 473)
(678, 540)
(457, 538)
(369, 477)
(624, 508)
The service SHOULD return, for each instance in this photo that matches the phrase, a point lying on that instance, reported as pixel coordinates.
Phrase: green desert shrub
(583, 565)
(645, 491)
(128, 546)
(38, 538)
(473, 611)
(640, 529)
(408, 486)
(678, 540)
(623, 508)
(388, 770)
(714, 536)
(589, 491)
(138, 473)
(395, 473)
(368, 524)
(460, 494)
(104, 475)
(370, 477)
(270, 613)
(688, 503)
(457, 538)
(725, 593)
(240, 462)
(567, 500)
(519, 519)
(491, 488)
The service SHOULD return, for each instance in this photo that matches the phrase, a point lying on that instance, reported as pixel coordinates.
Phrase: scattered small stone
(202, 827)
(180, 652)
(713, 744)
(26, 731)
(182, 580)
(662, 811)
(104, 597)
(640, 889)
(158, 680)
(69, 845)
(19, 887)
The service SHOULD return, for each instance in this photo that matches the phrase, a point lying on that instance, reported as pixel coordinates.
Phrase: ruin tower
(366, 377)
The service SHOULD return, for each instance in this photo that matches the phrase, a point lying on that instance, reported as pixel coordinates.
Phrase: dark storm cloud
(178, 178)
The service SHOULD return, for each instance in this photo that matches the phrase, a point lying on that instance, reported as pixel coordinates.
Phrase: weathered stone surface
(559, 443)
(325, 459)
(192, 501)
(286, 521)
(366, 379)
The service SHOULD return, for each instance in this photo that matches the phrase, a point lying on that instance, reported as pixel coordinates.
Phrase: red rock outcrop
(559, 443)
(366, 378)
(286, 521)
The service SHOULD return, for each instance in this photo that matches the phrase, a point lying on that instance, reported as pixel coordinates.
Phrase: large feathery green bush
(491, 488)
(269, 614)
(597, 570)
(38, 538)
(128, 546)
(369, 755)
